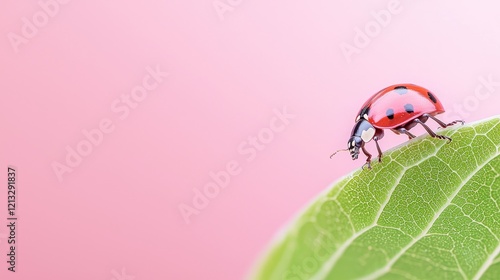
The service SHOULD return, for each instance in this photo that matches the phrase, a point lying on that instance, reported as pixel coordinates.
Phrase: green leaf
(430, 210)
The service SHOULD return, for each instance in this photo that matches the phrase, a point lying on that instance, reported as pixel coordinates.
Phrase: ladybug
(399, 108)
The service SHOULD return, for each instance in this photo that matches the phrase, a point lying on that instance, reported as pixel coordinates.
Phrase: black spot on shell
(401, 90)
(409, 108)
(432, 97)
(390, 113)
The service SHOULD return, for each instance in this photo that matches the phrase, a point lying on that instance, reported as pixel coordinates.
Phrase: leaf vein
(386, 268)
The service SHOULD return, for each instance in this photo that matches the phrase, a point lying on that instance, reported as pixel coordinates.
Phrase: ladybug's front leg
(378, 149)
(368, 158)
(378, 135)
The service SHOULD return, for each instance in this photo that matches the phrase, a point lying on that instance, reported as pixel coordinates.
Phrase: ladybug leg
(403, 130)
(368, 158)
(441, 123)
(432, 133)
(379, 134)
(378, 148)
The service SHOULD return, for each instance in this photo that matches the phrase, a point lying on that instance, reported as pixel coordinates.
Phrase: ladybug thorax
(364, 130)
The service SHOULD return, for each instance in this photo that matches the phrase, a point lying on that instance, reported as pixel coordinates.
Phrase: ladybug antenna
(343, 150)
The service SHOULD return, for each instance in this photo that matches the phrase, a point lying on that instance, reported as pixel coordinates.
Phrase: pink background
(119, 207)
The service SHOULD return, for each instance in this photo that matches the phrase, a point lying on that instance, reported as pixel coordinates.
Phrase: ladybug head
(353, 146)
(362, 133)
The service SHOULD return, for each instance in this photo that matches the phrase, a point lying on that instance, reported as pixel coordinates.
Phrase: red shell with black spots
(396, 105)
